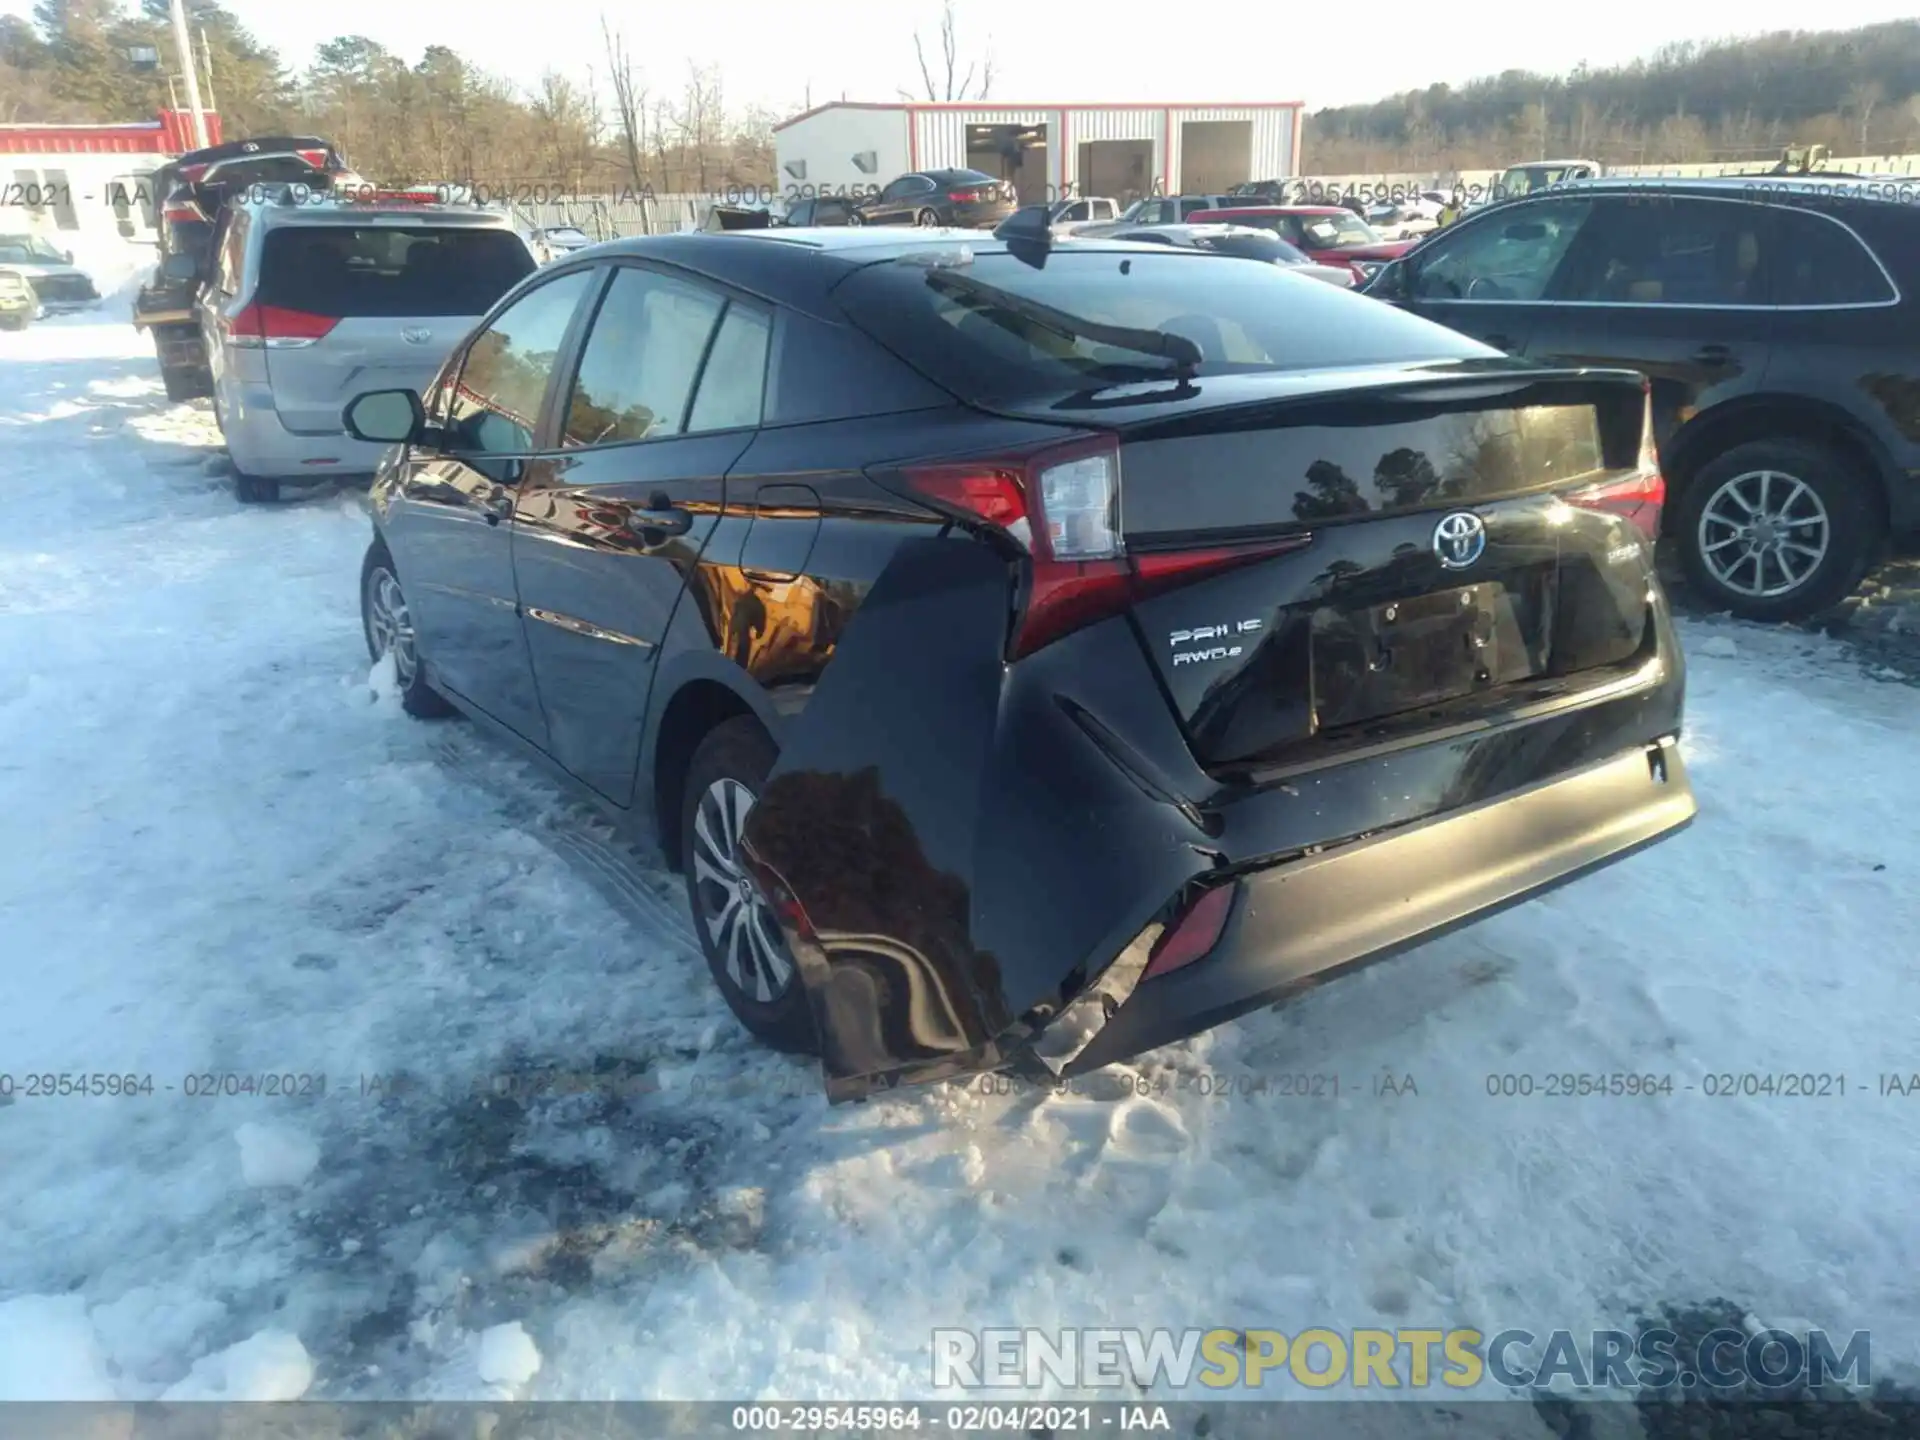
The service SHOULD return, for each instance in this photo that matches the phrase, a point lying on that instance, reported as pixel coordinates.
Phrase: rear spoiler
(218, 162)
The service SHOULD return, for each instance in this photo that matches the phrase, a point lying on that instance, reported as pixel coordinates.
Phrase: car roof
(796, 266)
(272, 213)
(1758, 186)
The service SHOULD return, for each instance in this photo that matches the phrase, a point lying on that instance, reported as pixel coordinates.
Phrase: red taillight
(1193, 935)
(183, 214)
(1637, 498)
(192, 173)
(1061, 505)
(275, 328)
(315, 158)
(963, 197)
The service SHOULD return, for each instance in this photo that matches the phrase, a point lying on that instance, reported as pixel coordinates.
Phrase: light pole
(184, 46)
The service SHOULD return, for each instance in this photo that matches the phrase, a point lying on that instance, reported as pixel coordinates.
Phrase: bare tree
(699, 122)
(942, 77)
(629, 101)
(1860, 102)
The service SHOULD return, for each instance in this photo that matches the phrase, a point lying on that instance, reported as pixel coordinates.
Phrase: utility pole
(183, 47)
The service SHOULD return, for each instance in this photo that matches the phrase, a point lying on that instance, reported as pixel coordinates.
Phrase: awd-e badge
(1224, 636)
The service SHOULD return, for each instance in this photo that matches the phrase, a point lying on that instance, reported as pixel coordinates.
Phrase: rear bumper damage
(1296, 924)
(972, 861)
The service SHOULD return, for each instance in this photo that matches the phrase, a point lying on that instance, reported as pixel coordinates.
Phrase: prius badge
(1225, 638)
(416, 334)
(1459, 540)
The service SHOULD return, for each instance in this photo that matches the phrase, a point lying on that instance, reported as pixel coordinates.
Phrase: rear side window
(378, 271)
(952, 327)
(1672, 252)
(641, 359)
(1819, 262)
(735, 378)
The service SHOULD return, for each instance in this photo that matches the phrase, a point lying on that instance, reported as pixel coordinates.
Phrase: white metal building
(1046, 150)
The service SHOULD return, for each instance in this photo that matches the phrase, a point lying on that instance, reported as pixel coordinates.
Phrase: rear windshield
(390, 270)
(1244, 318)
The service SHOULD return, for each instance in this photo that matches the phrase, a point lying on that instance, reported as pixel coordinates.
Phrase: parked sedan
(1246, 241)
(1030, 665)
(970, 199)
(1328, 234)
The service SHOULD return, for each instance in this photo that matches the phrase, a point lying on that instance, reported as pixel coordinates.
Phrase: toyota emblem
(1459, 540)
(420, 335)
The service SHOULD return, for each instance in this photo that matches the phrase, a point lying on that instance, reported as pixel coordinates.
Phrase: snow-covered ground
(224, 851)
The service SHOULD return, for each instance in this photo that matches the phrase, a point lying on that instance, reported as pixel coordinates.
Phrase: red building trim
(170, 134)
(914, 106)
(1166, 153)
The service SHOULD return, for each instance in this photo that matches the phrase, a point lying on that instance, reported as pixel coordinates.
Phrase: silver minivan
(313, 300)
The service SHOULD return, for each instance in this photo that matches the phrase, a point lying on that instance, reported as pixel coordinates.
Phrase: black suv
(1779, 323)
(1033, 657)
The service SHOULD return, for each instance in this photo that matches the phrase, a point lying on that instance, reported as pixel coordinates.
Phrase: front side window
(496, 403)
(1506, 256)
(641, 359)
(1665, 251)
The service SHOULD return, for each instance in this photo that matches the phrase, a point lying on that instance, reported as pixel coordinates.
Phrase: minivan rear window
(1244, 317)
(390, 270)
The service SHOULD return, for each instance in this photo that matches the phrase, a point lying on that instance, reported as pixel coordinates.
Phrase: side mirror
(386, 417)
(1390, 282)
(66, 257)
(180, 266)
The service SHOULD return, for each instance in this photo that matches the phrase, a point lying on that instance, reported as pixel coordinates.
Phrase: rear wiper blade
(1184, 353)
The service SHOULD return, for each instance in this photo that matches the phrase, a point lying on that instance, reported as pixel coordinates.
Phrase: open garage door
(1016, 154)
(1119, 169)
(1215, 155)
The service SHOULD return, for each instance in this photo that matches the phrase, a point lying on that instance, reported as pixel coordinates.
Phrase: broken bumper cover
(1299, 923)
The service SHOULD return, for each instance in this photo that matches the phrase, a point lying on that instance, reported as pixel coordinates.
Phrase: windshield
(28, 249)
(1524, 179)
(1337, 232)
(1252, 245)
(1242, 317)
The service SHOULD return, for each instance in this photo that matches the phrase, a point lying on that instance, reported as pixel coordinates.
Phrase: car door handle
(1712, 355)
(661, 517)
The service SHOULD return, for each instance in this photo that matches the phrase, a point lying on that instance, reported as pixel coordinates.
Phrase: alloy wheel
(738, 923)
(1763, 533)
(390, 625)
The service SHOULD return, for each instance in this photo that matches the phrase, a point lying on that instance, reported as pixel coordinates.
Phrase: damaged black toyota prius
(1034, 653)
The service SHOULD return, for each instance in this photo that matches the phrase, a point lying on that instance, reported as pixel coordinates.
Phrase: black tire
(16, 321)
(181, 384)
(738, 752)
(417, 698)
(927, 219)
(1853, 528)
(253, 490)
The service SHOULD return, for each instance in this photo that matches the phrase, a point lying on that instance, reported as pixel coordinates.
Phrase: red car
(1329, 234)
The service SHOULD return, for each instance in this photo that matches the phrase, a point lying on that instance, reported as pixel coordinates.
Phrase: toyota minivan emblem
(416, 334)
(1459, 540)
